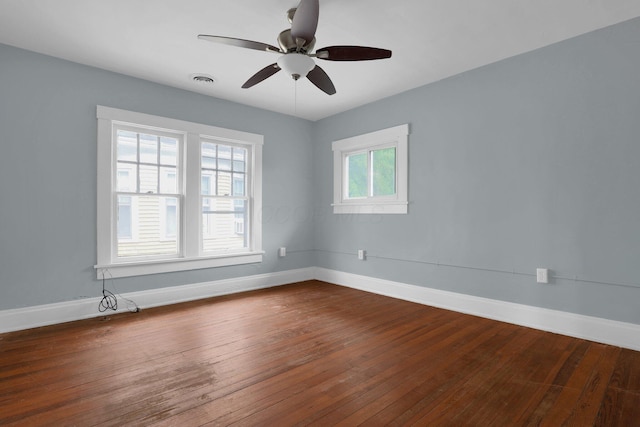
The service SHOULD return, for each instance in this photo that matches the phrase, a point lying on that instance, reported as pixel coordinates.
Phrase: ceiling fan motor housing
(288, 43)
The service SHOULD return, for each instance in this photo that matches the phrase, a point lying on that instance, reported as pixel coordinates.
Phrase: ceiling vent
(202, 78)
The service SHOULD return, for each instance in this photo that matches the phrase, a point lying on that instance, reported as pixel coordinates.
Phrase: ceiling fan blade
(318, 77)
(240, 43)
(261, 75)
(352, 53)
(305, 20)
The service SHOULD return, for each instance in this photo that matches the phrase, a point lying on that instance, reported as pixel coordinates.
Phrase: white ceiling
(431, 39)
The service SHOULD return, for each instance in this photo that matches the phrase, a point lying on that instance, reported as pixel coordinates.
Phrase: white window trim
(191, 257)
(397, 137)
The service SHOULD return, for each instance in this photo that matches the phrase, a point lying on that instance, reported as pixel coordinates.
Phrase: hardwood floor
(311, 354)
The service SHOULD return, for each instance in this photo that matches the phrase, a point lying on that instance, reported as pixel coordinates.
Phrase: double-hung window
(370, 172)
(175, 195)
(147, 195)
(224, 196)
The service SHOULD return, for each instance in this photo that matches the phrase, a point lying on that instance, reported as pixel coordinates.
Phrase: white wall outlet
(282, 252)
(362, 254)
(542, 275)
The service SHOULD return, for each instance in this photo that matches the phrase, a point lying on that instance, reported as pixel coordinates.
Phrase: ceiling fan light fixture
(297, 65)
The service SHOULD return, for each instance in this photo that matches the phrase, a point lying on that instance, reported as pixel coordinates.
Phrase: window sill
(127, 269)
(370, 208)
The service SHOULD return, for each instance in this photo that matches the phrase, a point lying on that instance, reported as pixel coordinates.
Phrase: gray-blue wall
(48, 176)
(530, 162)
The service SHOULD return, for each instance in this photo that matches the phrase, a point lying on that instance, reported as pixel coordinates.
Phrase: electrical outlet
(362, 254)
(282, 252)
(542, 275)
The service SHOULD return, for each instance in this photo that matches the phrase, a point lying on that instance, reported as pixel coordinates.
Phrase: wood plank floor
(311, 354)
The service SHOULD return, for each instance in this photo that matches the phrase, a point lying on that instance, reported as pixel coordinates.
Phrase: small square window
(370, 172)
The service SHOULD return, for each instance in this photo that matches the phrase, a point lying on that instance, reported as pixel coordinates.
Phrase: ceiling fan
(296, 46)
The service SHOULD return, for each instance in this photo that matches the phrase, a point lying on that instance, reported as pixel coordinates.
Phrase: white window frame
(190, 255)
(396, 137)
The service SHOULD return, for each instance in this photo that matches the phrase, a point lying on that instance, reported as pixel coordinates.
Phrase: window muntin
(370, 172)
(157, 161)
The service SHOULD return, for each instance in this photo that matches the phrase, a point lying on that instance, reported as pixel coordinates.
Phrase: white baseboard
(49, 314)
(605, 331)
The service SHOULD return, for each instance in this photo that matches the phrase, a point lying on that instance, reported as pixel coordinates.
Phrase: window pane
(168, 180)
(207, 223)
(148, 149)
(127, 146)
(383, 166)
(224, 184)
(239, 154)
(357, 175)
(224, 164)
(208, 155)
(170, 216)
(148, 227)
(207, 184)
(240, 209)
(124, 217)
(238, 184)
(148, 179)
(223, 224)
(168, 151)
(239, 205)
(239, 159)
(238, 166)
(224, 157)
(127, 177)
